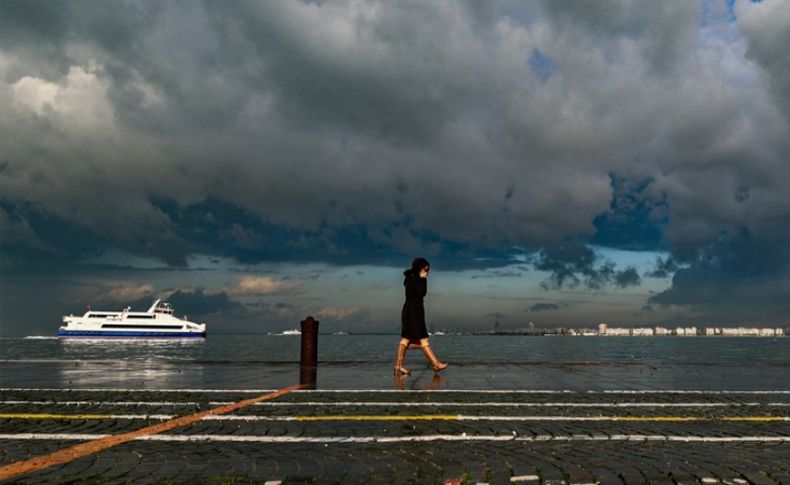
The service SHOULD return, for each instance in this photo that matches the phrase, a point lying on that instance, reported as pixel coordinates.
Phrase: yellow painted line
(72, 453)
(386, 417)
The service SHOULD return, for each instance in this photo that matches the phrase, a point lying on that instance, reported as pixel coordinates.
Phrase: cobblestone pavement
(551, 437)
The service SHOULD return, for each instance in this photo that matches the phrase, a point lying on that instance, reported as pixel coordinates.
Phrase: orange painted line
(84, 449)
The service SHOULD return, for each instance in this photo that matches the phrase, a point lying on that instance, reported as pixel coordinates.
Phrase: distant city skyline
(561, 163)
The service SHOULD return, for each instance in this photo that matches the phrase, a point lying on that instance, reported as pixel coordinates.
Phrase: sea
(493, 362)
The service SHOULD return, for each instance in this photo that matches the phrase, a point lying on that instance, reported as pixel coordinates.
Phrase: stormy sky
(562, 163)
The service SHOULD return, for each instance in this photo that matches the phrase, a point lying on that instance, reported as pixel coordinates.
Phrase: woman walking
(413, 332)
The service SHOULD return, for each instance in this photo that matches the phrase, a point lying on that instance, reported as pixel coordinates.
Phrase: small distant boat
(157, 322)
(292, 332)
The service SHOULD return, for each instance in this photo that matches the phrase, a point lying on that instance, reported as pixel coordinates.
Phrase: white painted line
(401, 439)
(53, 436)
(677, 391)
(103, 403)
(99, 389)
(412, 404)
(519, 404)
(542, 391)
(414, 391)
(524, 478)
(85, 416)
(142, 416)
(395, 417)
(461, 417)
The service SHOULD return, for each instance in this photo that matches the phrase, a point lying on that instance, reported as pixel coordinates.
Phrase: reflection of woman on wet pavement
(413, 330)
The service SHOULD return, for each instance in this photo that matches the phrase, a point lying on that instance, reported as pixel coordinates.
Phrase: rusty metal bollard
(309, 341)
(309, 359)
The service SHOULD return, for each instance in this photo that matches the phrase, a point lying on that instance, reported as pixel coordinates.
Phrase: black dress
(413, 314)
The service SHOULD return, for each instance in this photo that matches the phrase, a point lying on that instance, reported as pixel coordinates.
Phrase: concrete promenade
(408, 436)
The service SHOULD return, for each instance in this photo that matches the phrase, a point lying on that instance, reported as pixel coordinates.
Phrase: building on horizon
(752, 332)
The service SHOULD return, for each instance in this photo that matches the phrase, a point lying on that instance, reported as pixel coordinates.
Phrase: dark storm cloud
(199, 303)
(510, 273)
(573, 263)
(737, 279)
(634, 217)
(663, 268)
(29, 233)
(627, 277)
(543, 307)
(665, 29)
(568, 263)
(329, 131)
(305, 115)
(767, 30)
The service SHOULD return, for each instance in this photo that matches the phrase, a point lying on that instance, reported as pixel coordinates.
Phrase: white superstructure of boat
(157, 322)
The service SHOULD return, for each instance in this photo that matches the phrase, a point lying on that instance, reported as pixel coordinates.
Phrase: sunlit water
(365, 362)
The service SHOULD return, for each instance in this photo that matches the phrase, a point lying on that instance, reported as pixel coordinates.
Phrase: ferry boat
(157, 322)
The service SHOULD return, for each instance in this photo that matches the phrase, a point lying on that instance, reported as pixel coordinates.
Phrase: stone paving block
(628, 474)
(758, 478)
(780, 476)
(604, 475)
(553, 461)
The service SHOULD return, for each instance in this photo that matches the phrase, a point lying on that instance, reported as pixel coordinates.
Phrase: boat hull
(128, 334)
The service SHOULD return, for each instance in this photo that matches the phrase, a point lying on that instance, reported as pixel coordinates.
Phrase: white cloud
(77, 102)
(34, 93)
(339, 313)
(126, 292)
(261, 285)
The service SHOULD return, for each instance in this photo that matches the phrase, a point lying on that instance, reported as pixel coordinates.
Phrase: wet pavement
(400, 434)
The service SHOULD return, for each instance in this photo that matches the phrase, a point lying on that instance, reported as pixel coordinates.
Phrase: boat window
(139, 316)
(120, 325)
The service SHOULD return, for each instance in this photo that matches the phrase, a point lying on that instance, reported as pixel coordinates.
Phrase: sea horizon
(365, 361)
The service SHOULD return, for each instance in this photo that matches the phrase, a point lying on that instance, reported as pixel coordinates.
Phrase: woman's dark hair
(419, 263)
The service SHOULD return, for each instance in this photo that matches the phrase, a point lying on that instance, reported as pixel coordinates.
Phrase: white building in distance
(605, 330)
(752, 332)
